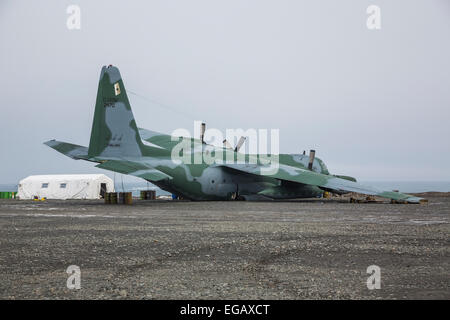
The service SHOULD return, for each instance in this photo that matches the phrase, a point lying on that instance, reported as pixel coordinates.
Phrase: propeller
(227, 145)
(239, 144)
(312, 154)
(202, 133)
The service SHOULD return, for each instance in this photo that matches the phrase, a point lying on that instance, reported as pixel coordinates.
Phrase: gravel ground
(224, 250)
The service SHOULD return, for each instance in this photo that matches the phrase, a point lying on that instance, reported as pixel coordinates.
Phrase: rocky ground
(224, 250)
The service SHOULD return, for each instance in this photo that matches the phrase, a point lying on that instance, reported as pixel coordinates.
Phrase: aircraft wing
(325, 182)
(136, 169)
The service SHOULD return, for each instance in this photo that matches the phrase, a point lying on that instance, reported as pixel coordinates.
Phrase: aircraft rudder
(114, 131)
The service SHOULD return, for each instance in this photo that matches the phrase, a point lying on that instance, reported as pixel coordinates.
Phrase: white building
(70, 186)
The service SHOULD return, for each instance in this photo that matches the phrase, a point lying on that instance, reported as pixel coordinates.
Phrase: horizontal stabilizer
(135, 169)
(71, 150)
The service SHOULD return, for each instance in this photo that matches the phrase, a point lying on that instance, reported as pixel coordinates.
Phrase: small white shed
(65, 186)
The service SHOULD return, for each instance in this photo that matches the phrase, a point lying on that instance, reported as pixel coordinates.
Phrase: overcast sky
(375, 104)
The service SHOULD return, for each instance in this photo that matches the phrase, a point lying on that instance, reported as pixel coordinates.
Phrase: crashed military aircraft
(118, 145)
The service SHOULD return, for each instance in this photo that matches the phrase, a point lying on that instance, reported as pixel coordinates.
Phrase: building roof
(65, 177)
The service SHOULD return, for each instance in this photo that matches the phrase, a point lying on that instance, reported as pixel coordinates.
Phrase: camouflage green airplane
(118, 145)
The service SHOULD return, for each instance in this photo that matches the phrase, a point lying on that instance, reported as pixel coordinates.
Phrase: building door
(102, 190)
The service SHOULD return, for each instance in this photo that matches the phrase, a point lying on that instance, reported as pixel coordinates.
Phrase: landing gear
(235, 195)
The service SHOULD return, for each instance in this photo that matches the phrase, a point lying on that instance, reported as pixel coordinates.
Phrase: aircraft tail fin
(114, 131)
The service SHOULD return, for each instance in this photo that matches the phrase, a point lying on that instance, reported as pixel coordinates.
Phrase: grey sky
(374, 104)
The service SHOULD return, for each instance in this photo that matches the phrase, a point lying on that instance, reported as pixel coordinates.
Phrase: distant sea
(402, 186)
(410, 186)
(8, 187)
